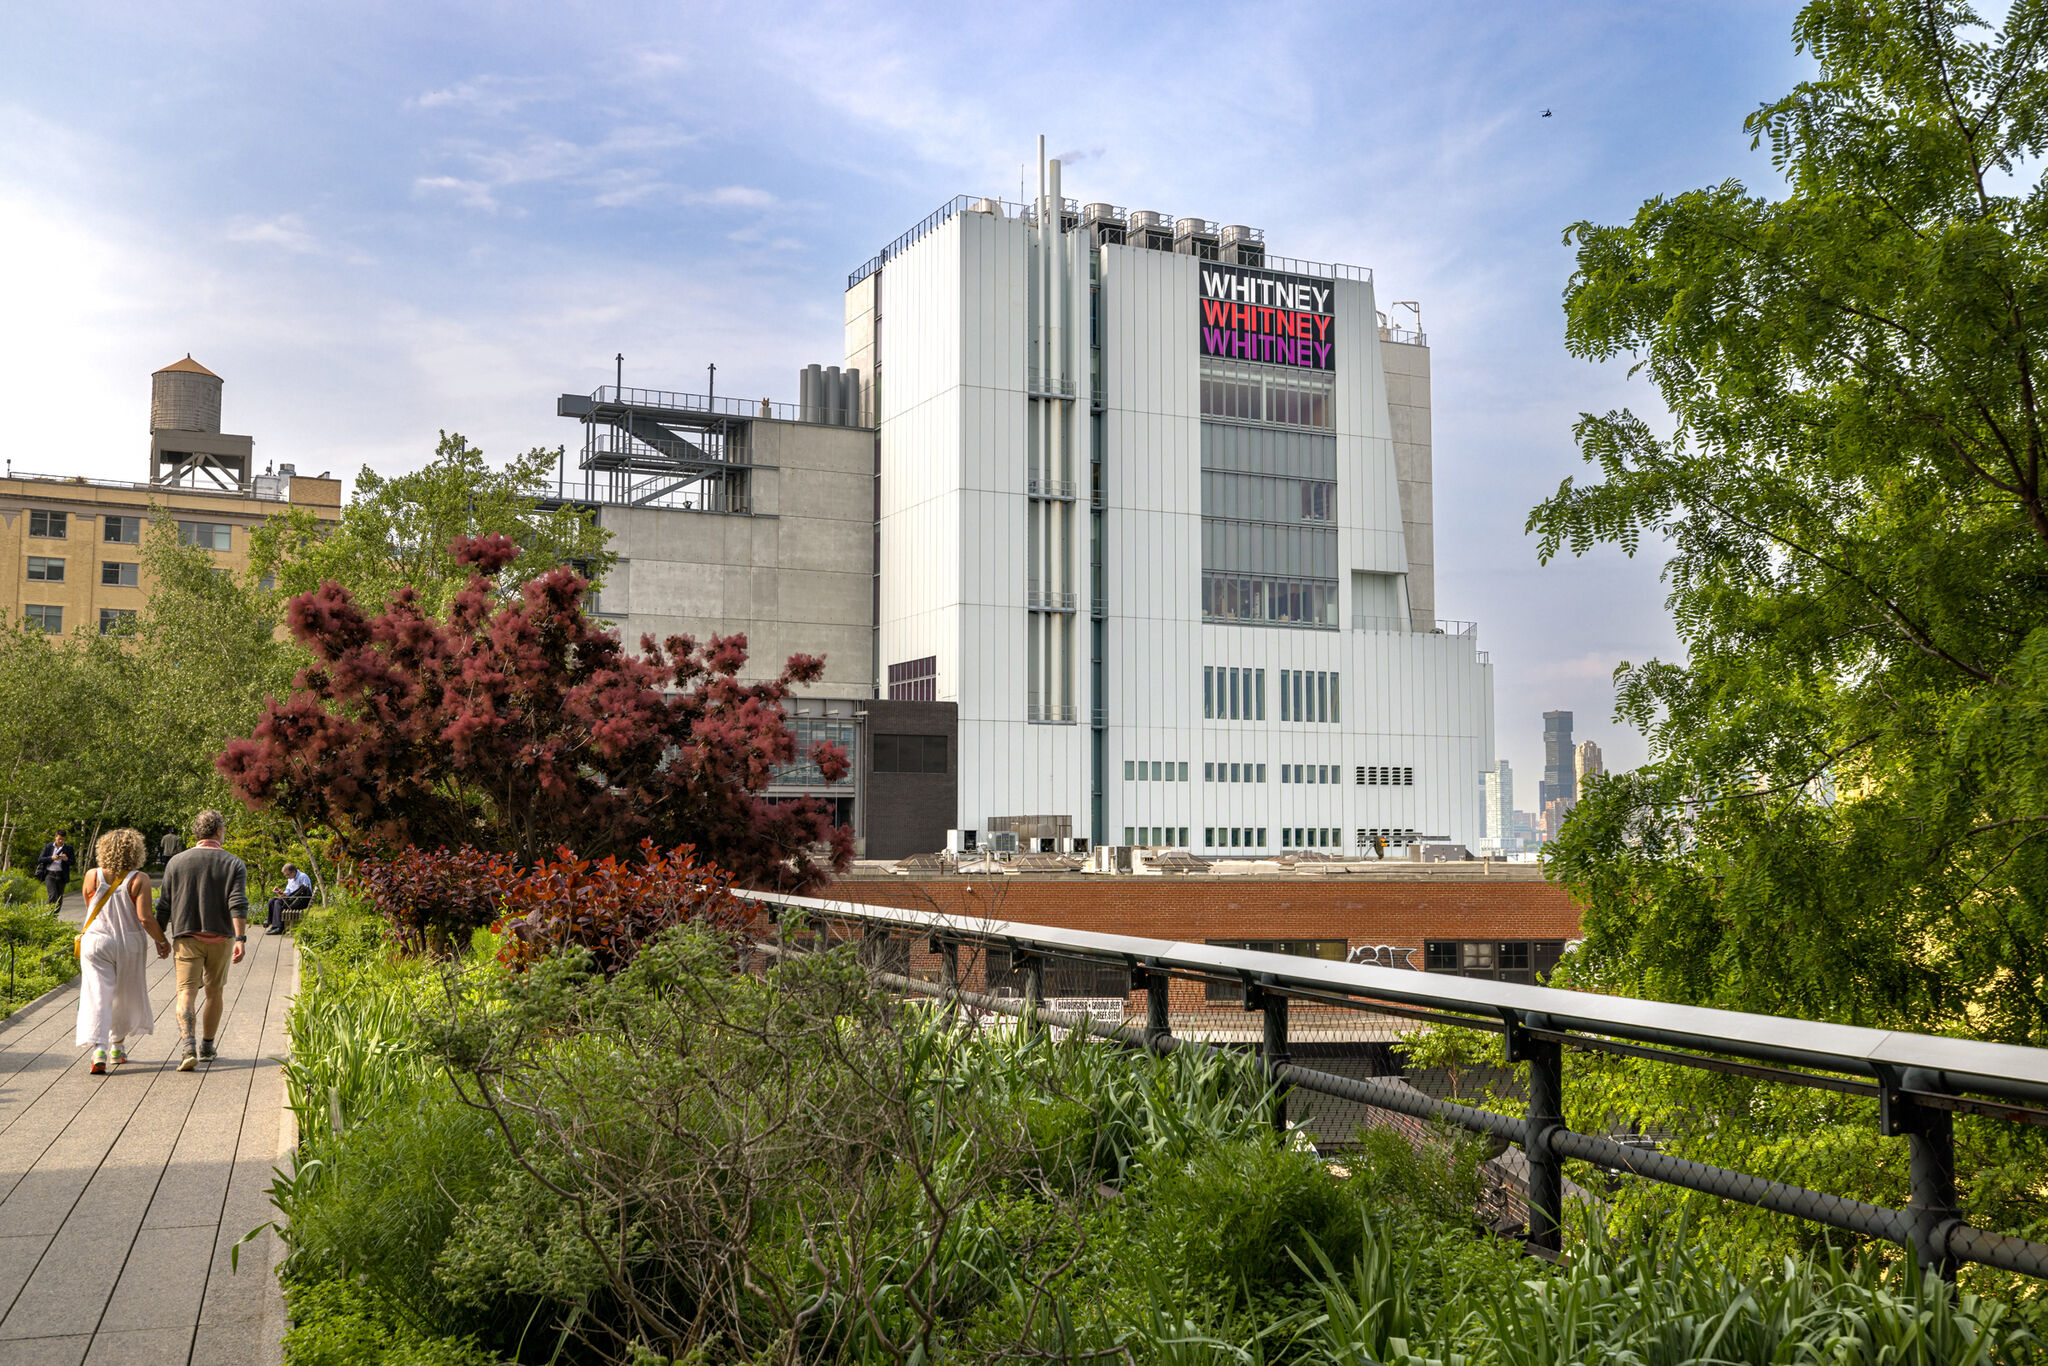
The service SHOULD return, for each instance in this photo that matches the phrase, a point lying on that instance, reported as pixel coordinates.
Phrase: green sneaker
(99, 1062)
(120, 1054)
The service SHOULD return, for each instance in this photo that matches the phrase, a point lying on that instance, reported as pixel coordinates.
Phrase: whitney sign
(1276, 319)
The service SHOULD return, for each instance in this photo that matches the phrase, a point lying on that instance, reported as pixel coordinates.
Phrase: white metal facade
(978, 553)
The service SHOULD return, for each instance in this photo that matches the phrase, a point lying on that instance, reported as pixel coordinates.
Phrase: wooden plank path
(120, 1196)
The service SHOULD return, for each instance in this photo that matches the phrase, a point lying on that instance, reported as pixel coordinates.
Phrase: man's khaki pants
(202, 963)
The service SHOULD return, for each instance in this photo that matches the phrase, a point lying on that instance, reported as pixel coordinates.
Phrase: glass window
(1259, 695)
(1261, 840)
(1208, 690)
(44, 618)
(214, 536)
(115, 574)
(1156, 773)
(45, 569)
(1208, 837)
(1235, 831)
(905, 750)
(1336, 707)
(1129, 768)
(116, 621)
(1235, 776)
(893, 753)
(1209, 771)
(53, 526)
(1130, 837)
(1182, 841)
(121, 530)
(1233, 694)
(1183, 770)
(1262, 773)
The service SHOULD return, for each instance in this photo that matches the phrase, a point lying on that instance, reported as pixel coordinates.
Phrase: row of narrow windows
(1309, 696)
(1176, 771)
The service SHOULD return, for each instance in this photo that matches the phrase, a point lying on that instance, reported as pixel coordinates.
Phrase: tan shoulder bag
(78, 944)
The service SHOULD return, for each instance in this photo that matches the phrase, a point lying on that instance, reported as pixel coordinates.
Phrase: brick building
(1476, 918)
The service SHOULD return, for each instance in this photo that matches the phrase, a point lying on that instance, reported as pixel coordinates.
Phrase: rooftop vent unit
(1242, 245)
(1153, 231)
(1195, 237)
(988, 206)
(1105, 224)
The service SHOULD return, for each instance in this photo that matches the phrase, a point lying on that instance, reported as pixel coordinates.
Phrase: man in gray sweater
(206, 898)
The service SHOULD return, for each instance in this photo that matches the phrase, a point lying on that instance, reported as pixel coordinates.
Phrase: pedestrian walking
(206, 892)
(53, 866)
(113, 951)
(169, 847)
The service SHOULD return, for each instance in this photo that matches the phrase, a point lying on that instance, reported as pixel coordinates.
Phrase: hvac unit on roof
(1151, 230)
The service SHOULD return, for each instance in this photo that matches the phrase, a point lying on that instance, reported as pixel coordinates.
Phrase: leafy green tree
(1846, 812)
(397, 532)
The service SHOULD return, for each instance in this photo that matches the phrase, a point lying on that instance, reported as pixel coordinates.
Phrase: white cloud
(734, 197)
(470, 194)
(286, 230)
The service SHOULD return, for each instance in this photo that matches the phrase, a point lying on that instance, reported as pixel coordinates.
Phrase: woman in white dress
(113, 952)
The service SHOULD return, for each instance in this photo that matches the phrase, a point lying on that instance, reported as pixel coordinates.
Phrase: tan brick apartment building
(70, 547)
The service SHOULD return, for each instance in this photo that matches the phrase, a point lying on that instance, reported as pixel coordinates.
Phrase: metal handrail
(722, 405)
(1920, 1077)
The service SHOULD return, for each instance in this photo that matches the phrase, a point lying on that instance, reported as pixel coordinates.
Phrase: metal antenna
(620, 383)
(711, 384)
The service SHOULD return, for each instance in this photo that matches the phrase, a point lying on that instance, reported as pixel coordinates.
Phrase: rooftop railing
(963, 203)
(1919, 1081)
(269, 488)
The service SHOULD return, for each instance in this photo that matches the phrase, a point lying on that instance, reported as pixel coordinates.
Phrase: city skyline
(453, 224)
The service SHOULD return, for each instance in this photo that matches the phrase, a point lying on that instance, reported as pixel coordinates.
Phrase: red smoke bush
(520, 726)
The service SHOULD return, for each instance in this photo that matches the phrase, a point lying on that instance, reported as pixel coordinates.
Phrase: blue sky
(380, 220)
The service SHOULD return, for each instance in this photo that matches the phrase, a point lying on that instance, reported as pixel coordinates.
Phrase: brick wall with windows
(1509, 904)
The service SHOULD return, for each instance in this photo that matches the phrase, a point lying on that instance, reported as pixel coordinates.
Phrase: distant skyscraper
(1586, 762)
(1560, 782)
(1500, 800)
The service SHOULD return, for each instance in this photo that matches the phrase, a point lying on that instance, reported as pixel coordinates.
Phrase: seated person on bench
(295, 895)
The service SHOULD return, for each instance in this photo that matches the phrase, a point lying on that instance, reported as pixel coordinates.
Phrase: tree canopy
(1846, 815)
(397, 531)
(518, 724)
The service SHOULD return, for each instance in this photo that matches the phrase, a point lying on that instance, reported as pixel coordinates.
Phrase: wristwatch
(241, 939)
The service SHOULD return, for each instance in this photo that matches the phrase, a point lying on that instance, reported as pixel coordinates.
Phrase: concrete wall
(795, 577)
(1407, 370)
(909, 813)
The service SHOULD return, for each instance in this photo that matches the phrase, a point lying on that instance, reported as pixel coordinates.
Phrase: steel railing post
(1034, 990)
(1545, 1117)
(1158, 1026)
(1273, 1055)
(1930, 1134)
(949, 973)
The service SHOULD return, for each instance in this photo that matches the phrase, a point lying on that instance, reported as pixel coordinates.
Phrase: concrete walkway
(120, 1196)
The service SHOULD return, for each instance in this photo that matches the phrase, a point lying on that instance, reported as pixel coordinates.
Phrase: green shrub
(19, 889)
(35, 951)
(337, 1322)
(1248, 1214)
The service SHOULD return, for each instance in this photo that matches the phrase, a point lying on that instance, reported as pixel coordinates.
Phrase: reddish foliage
(612, 908)
(433, 900)
(519, 726)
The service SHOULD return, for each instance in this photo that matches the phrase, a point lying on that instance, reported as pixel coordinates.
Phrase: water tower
(187, 448)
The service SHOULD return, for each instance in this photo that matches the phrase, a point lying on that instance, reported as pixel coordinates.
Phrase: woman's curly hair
(120, 852)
